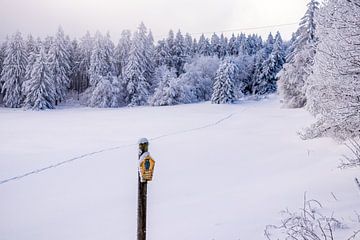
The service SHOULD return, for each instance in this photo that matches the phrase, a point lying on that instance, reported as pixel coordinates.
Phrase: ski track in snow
(112, 149)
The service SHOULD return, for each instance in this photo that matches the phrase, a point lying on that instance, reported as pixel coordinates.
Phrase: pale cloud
(41, 17)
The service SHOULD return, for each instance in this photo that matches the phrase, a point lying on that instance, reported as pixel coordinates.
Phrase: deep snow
(222, 171)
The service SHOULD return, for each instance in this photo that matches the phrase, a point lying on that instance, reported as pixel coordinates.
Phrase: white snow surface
(222, 172)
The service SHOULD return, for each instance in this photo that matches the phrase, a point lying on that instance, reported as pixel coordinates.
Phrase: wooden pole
(142, 197)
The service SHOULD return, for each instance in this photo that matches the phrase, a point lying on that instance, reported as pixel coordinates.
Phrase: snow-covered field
(222, 172)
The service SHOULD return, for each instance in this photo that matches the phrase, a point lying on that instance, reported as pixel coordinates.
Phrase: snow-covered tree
(122, 51)
(268, 65)
(3, 47)
(13, 72)
(85, 51)
(59, 59)
(178, 51)
(137, 70)
(224, 85)
(162, 54)
(105, 88)
(169, 91)
(188, 42)
(233, 46)
(204, 47)
(296, 70)
(260, 76)
(33, 49)
(333, 89)
(40, 87)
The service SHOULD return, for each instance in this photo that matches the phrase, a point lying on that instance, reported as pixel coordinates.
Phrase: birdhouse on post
(146, 162)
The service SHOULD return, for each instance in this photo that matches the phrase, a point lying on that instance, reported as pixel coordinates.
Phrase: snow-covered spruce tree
(188, 42)
(3, 47)
(178, 51)
(278, 53)
(259, 79)
(233, 46)
(215, 45)
(333, 91)
(105, 90)
(33, 49)
(223, 51)
(162, 54)
(296, 70)
(204, 47)
(265, 77)
(169, 91)
(224, 85)
(59, 59)
(122, 51)
(40, 88)
(243, 80)
(85, 50)
(199, 77)
(13, 72)
(136, 69)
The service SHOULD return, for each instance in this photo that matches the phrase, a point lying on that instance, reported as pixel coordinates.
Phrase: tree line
(39, 73)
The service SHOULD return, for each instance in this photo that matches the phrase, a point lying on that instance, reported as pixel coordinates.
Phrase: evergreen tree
(40, 87)
(33, 49)
(170, 45)
(224, 86)
(3, 47)
(296, 70)
(215, 45)
(178, 51)
(13, 72)
(233, 46)
(85, 51)
(259, 81)
(204, 47)
(122, 51)
(223, 46)
(135, 75)
(188, 42)
(105, 87)
(162, 54)
(59, 58)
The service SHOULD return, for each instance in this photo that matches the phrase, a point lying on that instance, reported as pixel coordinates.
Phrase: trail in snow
(112, 149)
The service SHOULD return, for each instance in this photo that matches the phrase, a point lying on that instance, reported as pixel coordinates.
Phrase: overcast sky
(42, 17)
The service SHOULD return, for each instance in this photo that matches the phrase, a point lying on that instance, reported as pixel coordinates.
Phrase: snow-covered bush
(199, 76)
(170, 90)
(310, 223)
(106, 93)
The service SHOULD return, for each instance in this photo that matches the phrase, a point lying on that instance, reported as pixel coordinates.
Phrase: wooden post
(142, 196)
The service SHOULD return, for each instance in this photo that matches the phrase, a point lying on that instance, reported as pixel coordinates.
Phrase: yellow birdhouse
(147, 165)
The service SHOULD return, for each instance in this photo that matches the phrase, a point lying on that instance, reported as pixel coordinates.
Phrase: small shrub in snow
(307, 224)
